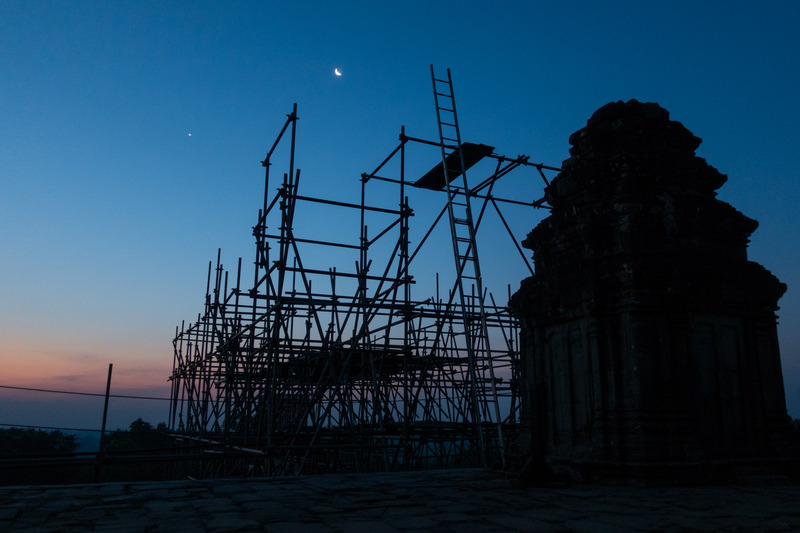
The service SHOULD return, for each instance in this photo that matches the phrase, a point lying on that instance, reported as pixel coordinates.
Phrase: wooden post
(103, 427)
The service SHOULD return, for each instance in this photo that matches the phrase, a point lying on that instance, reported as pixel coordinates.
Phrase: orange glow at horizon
(43, 364)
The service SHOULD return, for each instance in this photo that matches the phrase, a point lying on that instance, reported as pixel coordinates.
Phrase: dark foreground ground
(455, 500)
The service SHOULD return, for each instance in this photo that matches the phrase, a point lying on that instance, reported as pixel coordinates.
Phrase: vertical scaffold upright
(327, 362)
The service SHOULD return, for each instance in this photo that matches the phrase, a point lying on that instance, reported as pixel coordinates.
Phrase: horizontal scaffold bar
(281, 238)
(354, 206)
(406, 279)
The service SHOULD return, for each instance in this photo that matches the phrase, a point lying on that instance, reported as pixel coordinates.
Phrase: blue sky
(110, 210)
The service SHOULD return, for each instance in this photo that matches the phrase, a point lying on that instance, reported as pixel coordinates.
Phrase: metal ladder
(465, 252)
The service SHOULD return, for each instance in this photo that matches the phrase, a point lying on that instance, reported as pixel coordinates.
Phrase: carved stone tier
(647, 336)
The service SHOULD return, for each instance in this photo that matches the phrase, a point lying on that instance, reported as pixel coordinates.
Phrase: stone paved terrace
(456, 500)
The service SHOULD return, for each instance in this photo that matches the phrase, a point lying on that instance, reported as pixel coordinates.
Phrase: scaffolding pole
(325, 366)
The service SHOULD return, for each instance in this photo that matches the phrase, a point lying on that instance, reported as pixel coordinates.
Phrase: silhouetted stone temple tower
(648, 338)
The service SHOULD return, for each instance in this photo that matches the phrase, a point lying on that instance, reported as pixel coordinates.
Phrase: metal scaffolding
(316, 368)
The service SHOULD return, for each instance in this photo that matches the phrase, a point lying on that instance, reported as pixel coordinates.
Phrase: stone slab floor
(454, 500)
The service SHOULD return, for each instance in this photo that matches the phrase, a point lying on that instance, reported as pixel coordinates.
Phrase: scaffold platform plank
(434, 178)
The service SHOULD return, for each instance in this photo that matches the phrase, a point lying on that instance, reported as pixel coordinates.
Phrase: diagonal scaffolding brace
(326, 361)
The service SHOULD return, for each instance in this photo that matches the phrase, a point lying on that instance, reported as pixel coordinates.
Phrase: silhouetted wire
(87, 393)
(48, 427)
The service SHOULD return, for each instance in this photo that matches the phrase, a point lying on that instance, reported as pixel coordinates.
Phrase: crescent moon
(336, 71)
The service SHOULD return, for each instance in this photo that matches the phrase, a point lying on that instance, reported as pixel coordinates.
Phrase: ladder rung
(448, 124)
(443, 81)
(460, 221)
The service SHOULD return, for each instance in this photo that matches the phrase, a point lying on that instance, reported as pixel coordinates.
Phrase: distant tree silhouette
(140, 435)
(131, 455)
(22, 441)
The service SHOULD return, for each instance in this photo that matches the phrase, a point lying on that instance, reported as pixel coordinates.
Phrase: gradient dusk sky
(131, 135)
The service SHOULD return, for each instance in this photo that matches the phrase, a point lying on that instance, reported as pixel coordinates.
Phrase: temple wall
(647, 335)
